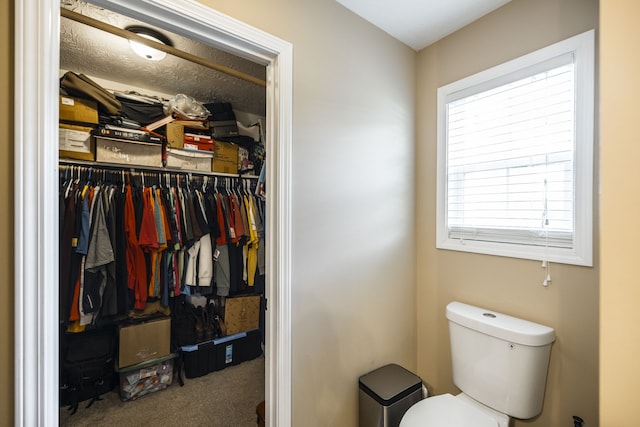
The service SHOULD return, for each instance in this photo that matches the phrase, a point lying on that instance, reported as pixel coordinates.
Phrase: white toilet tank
(499, 360)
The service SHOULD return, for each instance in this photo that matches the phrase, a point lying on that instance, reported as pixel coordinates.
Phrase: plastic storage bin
(217, 354)
(146, 377)
(386, 394)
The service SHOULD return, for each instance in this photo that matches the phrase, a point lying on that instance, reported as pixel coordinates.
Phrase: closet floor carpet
(226, 398)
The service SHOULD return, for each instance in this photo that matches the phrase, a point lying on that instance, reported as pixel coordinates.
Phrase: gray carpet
(226, 398)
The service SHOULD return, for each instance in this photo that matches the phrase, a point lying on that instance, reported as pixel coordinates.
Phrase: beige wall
(353, 292)
(6, 213)
(570, 303)
(620, 210)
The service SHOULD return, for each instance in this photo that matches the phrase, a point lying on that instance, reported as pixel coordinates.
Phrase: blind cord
(545, 223)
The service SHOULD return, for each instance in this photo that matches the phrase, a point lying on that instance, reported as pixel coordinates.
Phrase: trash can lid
(390, 383)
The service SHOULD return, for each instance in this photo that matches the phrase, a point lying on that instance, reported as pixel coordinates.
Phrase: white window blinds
(510, 158)
(515, 157)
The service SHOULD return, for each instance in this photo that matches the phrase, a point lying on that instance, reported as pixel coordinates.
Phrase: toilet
(500, 365)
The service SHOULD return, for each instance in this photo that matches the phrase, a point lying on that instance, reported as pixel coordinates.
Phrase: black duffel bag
(88, 366)
(81, 86)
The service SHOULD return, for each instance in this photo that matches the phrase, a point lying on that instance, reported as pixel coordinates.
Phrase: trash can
(386, 394)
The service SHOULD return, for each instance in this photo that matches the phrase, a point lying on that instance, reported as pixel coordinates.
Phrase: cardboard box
(175, 131)
(225, 157)
(199, 146)
(76, 142)
(78, 110)
(189, 160)
(223, 166)
(111, 150)
(147, 377)
(242, 314)
(144, 341)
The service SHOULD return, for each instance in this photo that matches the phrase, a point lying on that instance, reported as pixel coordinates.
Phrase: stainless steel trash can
(386, 394)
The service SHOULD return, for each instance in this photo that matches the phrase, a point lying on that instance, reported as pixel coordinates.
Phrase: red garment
(136, 266)
(75, 307)
(238, 225)
(148, 238)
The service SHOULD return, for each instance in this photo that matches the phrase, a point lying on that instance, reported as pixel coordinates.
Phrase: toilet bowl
(447, 410)
(500, 365)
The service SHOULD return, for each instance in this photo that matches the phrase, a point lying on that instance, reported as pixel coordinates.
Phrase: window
(515, 157)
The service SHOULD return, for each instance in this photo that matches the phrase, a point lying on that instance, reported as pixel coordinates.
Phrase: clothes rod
(159, 46)
(98, 165)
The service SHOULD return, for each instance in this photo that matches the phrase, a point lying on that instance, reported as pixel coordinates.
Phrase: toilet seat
(446, 411)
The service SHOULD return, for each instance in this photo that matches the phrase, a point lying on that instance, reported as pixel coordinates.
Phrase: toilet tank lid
(500, 325)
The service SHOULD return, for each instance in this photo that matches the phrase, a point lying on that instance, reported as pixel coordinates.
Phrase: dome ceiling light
(147, 52)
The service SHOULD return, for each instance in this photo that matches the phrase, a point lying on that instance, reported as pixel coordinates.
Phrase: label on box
(67, 101)
(74, 140)
(228, 353)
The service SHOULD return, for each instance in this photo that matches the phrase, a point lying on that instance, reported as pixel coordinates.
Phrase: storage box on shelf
(225, 157)
(197, 142)
(176, 130)
(78, 110)
(189, 159)
(76, 142)
(111, 150)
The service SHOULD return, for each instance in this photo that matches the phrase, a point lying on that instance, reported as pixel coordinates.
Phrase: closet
(184, 242)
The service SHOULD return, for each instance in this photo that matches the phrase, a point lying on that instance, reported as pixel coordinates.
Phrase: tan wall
(353, 213)
(6, 214)
(570, 304)
(620, 210)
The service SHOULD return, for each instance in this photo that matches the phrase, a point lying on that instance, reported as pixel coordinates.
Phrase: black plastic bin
(217, 354)
(386, 394)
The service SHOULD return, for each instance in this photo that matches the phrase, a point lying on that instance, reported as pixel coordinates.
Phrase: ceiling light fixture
(144, 51)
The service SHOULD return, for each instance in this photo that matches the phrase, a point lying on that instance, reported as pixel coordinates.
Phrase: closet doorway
(36, 169)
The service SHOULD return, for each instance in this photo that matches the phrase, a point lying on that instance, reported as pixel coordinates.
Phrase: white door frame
(37, 63)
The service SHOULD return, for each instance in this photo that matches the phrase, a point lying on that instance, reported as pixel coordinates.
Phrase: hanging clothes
(124, 243)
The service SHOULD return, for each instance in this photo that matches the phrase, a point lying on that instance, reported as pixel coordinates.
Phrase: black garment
(189, 204)
(110, 297)
(122, 291)
(66, 254)
(198, 208)
(187, 236)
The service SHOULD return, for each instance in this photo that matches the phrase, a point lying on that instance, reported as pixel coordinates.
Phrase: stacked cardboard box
(77, 117)
(145, 363)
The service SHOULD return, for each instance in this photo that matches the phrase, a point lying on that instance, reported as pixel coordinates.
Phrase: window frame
(581, 253)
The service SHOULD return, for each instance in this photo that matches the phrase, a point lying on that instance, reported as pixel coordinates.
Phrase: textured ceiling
(99, 54)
